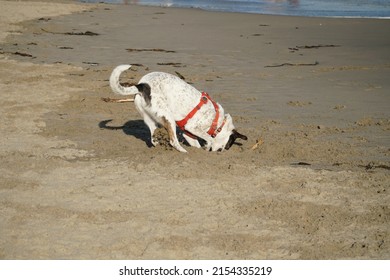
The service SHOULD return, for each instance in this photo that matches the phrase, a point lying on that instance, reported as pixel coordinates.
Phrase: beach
(79, 180)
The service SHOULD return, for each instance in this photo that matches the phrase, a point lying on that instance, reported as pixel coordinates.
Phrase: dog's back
(176, 94)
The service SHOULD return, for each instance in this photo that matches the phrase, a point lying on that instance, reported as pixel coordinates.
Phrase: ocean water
(311, 8)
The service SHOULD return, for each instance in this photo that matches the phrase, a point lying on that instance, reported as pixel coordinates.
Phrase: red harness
(214, 130)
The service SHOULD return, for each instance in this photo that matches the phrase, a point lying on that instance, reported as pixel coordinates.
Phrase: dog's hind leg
(152, 127)
(149, 121)
(170, 126)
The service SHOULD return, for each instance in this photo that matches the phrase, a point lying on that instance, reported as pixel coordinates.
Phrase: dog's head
(227, 136)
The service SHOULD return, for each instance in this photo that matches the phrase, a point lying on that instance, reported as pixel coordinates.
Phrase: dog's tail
(115, 84)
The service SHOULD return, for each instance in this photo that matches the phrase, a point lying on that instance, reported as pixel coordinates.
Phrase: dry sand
(78, 179)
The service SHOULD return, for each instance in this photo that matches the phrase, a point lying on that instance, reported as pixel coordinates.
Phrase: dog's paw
(179, 148)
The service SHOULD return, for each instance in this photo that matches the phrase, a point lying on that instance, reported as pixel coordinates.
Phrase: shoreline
(75, 167)
(265, 11)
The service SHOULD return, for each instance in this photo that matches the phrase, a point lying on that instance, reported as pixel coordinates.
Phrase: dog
(165, 99)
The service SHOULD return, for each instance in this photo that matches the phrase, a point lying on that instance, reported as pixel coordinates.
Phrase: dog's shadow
(140, 130)
(136, 128)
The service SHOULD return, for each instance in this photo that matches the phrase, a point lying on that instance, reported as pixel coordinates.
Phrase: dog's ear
(233, 138)
(239, 135)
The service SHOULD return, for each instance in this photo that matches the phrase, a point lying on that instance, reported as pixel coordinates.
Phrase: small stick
(117, 100)
(259, 142)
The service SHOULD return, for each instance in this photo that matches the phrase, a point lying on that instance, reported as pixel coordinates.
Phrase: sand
(79, 180)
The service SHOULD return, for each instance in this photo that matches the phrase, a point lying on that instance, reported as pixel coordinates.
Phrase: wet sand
(79, 180)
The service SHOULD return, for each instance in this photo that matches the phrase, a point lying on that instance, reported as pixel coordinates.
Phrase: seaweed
(180, 76)
(149, 50)
(175, 64)
(293, 64)
(317, 46)
(86, 33)
(18, 53)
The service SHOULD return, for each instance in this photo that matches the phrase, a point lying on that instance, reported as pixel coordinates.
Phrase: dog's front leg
(170, 126)
(209, 142)
(193, 142)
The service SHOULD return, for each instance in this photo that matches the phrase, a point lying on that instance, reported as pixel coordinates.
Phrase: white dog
(165, 99)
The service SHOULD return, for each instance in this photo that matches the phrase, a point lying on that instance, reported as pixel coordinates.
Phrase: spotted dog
(165, 99)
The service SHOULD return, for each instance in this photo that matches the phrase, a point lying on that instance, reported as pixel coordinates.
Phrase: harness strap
(214, 130)
(203, 100)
